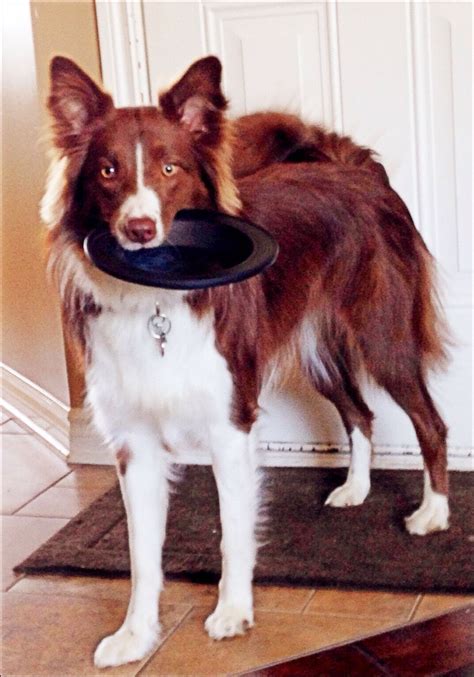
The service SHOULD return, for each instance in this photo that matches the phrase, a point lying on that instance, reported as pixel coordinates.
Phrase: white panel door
(448, 112)
(396, 76)
(274, 55)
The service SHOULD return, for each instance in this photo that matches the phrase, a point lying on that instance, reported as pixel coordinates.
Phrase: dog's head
(132, 169)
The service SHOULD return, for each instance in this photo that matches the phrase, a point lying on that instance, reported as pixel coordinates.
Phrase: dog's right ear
(75, 102)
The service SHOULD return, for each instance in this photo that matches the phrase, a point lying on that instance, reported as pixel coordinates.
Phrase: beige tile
(80, 586)
(29, 468)
(269, 598)
(189, 651)
(279, 598)
(363, 604)
(88, 476)
(434, 605)
(21, 536)
(290, 600)
(61, 501)
(4, 416)
(183, 592)
(57, 635)
(11, 427)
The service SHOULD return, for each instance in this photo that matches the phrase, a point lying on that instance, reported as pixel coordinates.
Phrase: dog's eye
(169, 169)
(108, 172)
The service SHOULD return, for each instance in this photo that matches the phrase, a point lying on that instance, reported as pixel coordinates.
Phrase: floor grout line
(33, 498)
(48, 517)
(62, 455)
(60, 593)
(415, 607)
(168, 637)
(23, 429)
(363, 617)
(308, 601)
(13, 583)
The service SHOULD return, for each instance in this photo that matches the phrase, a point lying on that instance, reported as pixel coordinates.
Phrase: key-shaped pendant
(159, 326)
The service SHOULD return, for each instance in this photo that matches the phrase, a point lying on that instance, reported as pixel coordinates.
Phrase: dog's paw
(350, 493)
(125, 646)
(228, 621)
(432, 515)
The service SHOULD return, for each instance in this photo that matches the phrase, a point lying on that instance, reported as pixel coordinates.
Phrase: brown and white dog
(351, 292)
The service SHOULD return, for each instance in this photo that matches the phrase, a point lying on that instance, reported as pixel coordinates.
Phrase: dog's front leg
(143, 471)
(234, 463)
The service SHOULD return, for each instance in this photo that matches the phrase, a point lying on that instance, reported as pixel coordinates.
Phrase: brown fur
(351, 260)
(203, 113)
(360, 281)
(123, 457)
(262, 139)
(77, 307)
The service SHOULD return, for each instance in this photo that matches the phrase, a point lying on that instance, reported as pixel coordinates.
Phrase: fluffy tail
(262, 139)
(343, 150)
(429, 321)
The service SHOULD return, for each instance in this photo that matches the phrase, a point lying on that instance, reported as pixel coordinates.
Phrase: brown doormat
(305, 542)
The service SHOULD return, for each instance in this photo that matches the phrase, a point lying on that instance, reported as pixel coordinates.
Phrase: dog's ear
(196, 100)
(75, 101)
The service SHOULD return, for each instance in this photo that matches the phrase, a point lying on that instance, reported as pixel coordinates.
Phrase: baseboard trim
(35, 408)
(70, 431)
(86, 447)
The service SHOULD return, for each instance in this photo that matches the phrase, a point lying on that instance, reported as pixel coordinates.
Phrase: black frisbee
(203, 249)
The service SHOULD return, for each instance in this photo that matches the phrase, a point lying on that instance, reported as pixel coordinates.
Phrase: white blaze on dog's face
(138, 220)
(140, 171)
(136, 167)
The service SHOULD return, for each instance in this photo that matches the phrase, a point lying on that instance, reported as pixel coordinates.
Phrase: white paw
(228, 621)
(125, 646)
(432, 515)
(350, 493)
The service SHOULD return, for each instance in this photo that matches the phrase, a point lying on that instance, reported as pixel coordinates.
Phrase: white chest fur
(130, 383)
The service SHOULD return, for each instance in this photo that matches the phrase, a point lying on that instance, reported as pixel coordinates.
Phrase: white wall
(32, 337)
(31, 330)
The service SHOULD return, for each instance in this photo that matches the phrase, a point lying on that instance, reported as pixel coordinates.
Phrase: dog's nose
(140, 230)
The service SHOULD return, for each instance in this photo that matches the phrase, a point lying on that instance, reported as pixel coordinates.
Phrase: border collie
(350, 293)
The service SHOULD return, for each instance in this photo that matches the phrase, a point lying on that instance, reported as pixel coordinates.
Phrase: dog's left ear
(196, 103)
(196, 100)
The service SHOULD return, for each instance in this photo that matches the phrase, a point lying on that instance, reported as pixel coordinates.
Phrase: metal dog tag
(159, 326)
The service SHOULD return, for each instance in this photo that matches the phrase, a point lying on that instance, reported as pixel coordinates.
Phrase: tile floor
(51, 624)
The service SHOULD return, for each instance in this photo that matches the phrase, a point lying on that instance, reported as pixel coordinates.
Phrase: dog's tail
(262, 139)
(343, 150)
(429, 322)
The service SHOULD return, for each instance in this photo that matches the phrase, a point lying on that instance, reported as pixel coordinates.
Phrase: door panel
(283, 45)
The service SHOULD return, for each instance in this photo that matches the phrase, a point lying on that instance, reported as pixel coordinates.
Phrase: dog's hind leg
(408, 388)
(357, 420)
(334, 380)
(143, 470)
(236, 474)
